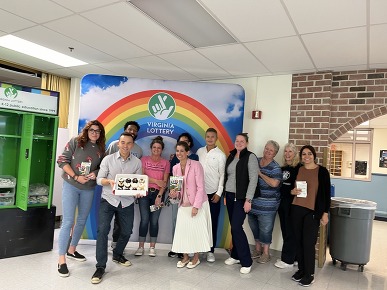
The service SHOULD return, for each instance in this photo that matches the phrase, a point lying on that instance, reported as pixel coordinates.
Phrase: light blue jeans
(73, 198)
(262, 227)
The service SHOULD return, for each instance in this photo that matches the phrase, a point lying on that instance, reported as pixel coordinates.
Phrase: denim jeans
(236, 214)
(73, 198)
(148, 217)
(262, 227)
(125, 218)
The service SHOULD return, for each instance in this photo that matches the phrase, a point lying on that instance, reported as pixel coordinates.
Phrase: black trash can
(351, 231)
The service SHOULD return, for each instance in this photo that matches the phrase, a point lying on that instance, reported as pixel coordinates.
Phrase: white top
(213, 163)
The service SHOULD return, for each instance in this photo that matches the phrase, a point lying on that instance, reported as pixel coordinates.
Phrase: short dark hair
(127, 124)
(126, 134)
(184, 144)
(311, 148)
(158, 140)
(213, 130)
(189, 137)
(244, 135)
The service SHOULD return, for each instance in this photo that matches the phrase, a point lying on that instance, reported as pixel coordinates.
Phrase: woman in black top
(290, 168)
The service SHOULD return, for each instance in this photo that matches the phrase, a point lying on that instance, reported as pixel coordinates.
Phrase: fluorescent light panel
(187, 19)
(32, 49)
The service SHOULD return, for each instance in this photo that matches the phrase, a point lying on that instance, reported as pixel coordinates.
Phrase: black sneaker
(122, 261)
(171, 254)
(76, 256)
(63, 270)
(180, 256)
(307, 280)
(298, 276)
(97, 276)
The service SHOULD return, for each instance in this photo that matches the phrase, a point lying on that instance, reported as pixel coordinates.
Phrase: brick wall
(325, 105)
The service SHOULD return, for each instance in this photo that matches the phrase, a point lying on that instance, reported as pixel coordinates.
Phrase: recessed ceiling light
(186, 19)
(32, 49)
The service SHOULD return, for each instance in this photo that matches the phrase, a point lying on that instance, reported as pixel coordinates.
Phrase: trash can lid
(352, 203)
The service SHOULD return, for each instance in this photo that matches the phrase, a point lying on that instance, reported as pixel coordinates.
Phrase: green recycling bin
(351, 231)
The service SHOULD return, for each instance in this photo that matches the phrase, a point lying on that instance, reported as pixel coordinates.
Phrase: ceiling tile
(131, 24)
(251, 20)
(78, 6)
(79, 28)
(161, 68)
(337, 48)
(38, 11)
(44, 36)
(10, 22)
(316, 15)
(124, 69)
(195, 64)
(281, 55)
(378, 43)
(224, 56)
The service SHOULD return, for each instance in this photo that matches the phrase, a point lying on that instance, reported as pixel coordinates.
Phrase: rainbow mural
(190, 116)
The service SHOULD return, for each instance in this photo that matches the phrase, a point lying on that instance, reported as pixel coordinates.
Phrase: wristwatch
(159, 196)
(249, 200)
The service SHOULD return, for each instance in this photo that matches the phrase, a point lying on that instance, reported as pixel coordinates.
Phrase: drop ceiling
(272, 37)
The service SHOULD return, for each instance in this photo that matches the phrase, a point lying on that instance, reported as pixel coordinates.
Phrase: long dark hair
(83, 137)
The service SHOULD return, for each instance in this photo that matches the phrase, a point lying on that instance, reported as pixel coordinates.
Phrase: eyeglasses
(95, 131)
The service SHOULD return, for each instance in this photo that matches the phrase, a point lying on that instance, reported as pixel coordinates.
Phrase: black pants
(305, 232)
(214, 210)
(288, 253)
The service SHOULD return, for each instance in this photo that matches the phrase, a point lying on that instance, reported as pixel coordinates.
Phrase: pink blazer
(193, 182)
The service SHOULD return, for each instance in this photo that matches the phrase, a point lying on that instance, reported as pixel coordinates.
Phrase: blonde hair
(296, 158)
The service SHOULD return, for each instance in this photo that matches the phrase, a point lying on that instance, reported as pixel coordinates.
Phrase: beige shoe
(255, 254)
(264, 258)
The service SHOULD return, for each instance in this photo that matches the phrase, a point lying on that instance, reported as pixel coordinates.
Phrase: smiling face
(125, 144)
(289, 155)
(156, 149)
(269, 152)
(94, 133)
(307, 157)
(211, 139)
(240, 143)
(132, 129)
(181, 153)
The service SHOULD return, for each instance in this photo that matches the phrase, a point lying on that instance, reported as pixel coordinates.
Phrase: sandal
(182, 264)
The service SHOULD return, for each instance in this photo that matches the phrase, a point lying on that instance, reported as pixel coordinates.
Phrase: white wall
(272, 96)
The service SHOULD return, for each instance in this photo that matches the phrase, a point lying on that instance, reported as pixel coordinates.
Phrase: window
(350, 155)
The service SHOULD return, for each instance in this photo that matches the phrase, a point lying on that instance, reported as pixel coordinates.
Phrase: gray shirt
(112, 165)
(113, 148)
(253, 176)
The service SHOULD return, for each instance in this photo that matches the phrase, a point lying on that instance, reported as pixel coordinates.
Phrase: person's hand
(158, 200)
(295, 191)
(138, 195)
(111, 182)
(91, 176)
(173, 193)
(215, 198)
(247, 206)
(324, 219)
(194, 211)
(160, 110)
(82, 179)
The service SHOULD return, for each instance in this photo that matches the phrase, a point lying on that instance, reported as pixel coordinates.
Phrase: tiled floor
(38, 271)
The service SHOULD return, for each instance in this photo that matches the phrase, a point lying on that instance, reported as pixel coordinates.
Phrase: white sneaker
(210, 257)
(139, 252)
(152, 252)
(282, 265)
(245, 270)
(231, 261)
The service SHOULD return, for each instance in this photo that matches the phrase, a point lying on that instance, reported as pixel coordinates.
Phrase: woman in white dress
(193, 233)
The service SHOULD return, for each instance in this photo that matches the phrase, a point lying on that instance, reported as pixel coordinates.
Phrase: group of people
(257, 187)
